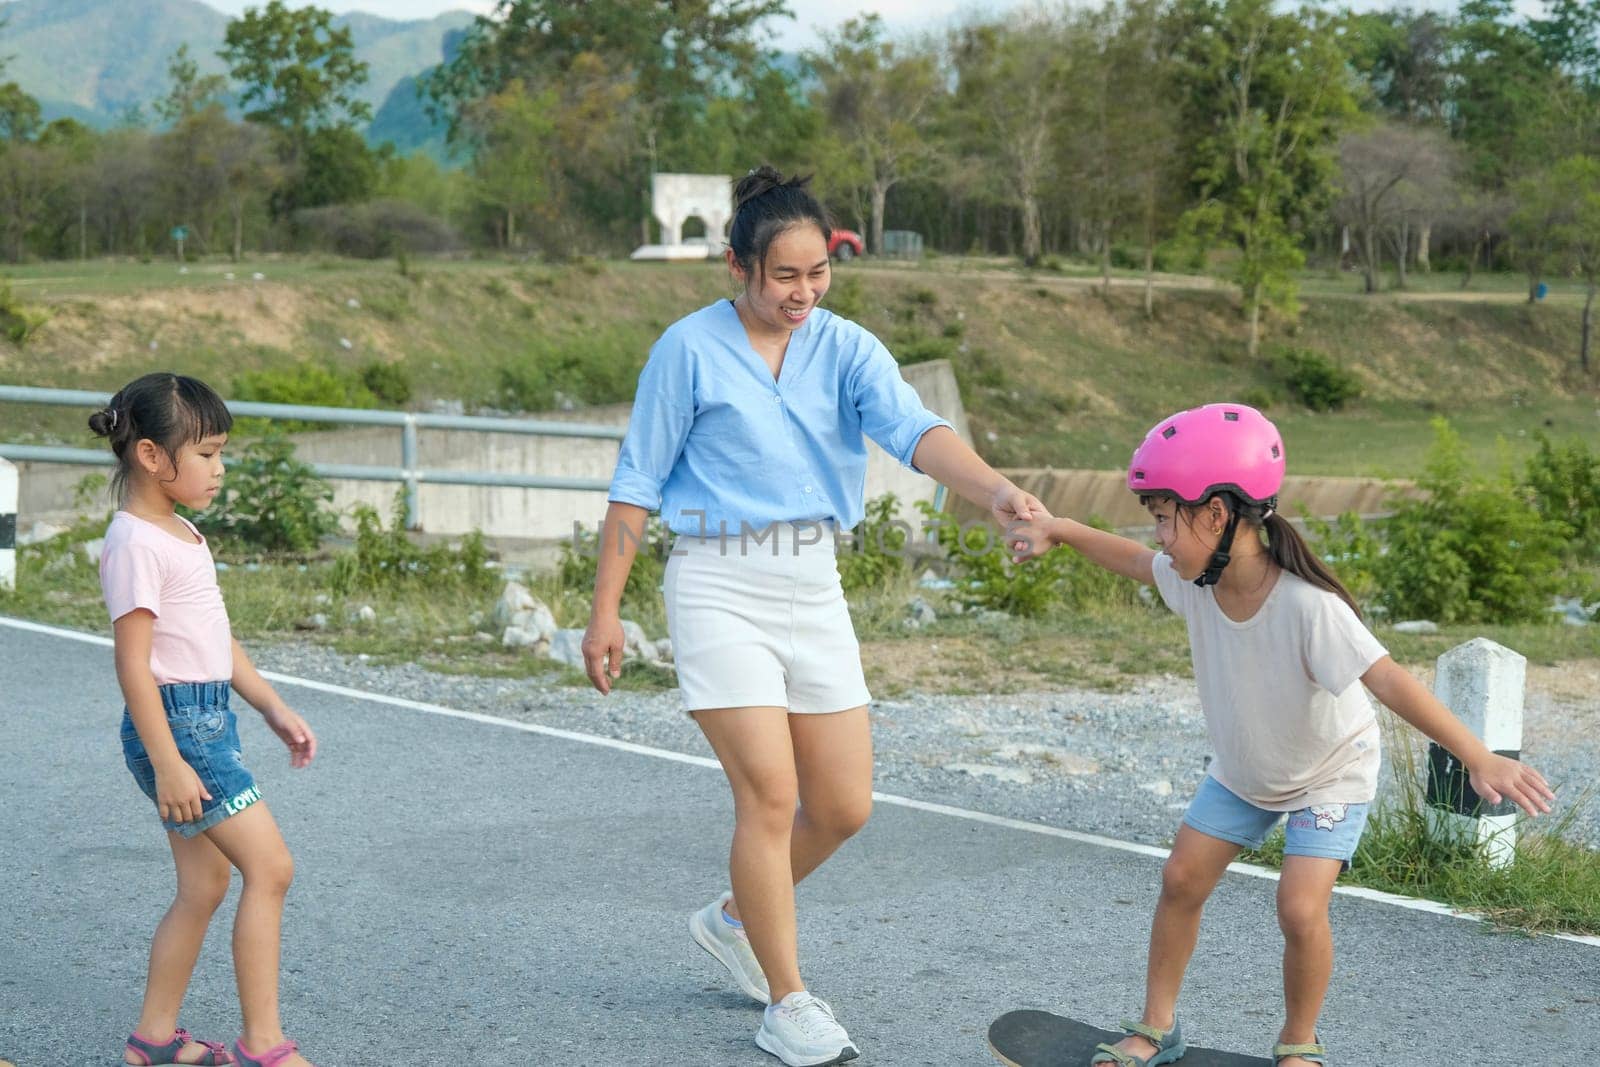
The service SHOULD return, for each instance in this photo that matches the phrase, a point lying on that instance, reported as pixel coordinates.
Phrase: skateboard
(1040, 1039)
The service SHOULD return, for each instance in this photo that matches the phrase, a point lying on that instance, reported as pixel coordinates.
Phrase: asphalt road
(493, 895)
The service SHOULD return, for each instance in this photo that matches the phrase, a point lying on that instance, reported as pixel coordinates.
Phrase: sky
(793, 35)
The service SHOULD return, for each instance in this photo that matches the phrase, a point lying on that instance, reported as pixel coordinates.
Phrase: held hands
(1498, 778)
(294, 732)
(603, 643)
(179, 795)
(1010, 504)
(1029, 540)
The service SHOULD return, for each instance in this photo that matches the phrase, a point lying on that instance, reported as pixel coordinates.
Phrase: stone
(365, 614)
(40, 531)
(1057, 759)
(922, 613)
(1416, 626)
(1015, 775)
(517, 637)
(567, 647)
(636, 643)
(513, 598)
(664, 649)
(1160, 787)
(92, 549)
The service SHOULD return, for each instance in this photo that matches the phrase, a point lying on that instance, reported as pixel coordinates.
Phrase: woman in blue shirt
(747, 435)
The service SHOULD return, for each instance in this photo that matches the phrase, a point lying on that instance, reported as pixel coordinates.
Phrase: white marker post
(8, 525)
(1482, 682)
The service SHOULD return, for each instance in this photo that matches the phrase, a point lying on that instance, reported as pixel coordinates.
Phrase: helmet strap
(1219, 558)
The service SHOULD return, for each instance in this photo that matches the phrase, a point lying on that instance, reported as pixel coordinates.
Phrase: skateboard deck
(1040, 1039)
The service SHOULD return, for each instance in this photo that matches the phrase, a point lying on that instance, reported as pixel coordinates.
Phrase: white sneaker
(801, 1031)
(730, 946)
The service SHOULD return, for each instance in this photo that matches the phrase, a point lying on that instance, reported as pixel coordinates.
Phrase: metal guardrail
(408, 423)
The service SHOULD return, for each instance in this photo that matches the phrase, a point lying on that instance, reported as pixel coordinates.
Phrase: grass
(1053, 374)
(1552, 885)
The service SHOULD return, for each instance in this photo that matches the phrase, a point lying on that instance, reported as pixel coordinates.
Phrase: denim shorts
(207, 734)
(1327, 831)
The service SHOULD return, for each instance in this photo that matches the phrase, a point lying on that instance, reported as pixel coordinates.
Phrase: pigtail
(1290, 551)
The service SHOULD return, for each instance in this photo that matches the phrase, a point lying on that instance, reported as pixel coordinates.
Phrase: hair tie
(112, 413)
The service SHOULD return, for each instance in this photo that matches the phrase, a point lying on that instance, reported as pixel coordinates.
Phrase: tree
(1534, 225)
(881, 103)
(1505, 91)
(673, 56)
(1575, 182)
(513, 164)
(1404, 57)
(191, 92)
(19, 113)
(1266, 95)
(299, 73)
(1010, 88)
(1389, 175)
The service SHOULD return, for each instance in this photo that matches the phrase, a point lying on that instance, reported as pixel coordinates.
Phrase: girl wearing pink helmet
(1278, 647)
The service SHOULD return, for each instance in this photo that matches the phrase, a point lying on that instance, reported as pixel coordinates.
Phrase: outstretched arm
(1115, 553)
(1493, 777)
(947, 459)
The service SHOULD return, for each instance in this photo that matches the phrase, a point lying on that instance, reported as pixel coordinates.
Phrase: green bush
(983, 572)
(1353, 549)
(18, 321)
(877, 556)
(1565, 482)
(915, 346)
(601, 368)
(387, 558)
(270, 502)
(641, 596)
(304, 383)
(1316, 381)
(1473, 549)
(389, 382)
(847, 298)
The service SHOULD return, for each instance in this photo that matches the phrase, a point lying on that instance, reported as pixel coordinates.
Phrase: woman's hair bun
(763, 179)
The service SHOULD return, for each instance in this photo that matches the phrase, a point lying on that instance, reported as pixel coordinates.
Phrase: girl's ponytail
(1290, 551)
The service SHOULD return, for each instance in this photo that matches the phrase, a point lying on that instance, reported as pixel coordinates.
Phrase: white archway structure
(675, 198)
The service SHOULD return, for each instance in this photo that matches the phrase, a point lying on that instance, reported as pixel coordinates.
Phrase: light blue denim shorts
(1327, 831)
(207, 734)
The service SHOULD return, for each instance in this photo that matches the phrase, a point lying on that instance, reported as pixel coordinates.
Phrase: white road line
(1431, 907)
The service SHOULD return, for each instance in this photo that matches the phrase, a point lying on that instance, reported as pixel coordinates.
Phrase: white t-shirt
(1289, 724)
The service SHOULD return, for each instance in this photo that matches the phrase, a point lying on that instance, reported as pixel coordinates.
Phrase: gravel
(1118, 764)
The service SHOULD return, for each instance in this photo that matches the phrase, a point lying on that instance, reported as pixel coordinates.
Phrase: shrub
(915, 346)
(303, 383)
(389, 382)
(641, 596)
(1565, 483)
(877, 556)
(376, 229)
(1353, 549)
(389, 559)
(270, 501)
(1474, 549)
(984, 574)
(1318, 382)
(18, 321)
(846, 297)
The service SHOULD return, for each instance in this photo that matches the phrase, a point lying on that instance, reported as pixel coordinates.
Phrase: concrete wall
(521, 514)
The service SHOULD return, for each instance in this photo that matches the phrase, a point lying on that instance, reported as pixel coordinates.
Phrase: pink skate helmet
(1205, 450)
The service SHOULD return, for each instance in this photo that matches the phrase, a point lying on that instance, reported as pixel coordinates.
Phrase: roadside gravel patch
(1119, 764)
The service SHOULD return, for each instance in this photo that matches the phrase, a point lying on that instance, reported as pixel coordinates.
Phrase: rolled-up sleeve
(663, 411)
(891, 412)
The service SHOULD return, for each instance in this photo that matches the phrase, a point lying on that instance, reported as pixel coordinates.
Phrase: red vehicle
(845, 244)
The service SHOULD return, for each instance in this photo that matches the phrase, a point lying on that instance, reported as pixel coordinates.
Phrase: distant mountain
(92, 60)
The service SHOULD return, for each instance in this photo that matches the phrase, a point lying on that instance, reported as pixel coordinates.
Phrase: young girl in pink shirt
(177, 663)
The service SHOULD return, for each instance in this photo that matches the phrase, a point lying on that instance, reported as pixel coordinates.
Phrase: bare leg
(1196, 865)
(757, 755)
(1304, 892)
(252, 843)
(833, 760)
(203, 875)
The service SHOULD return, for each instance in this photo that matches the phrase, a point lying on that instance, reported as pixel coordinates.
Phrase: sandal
(270, 1058)
(1314, 1052)
(1170, 1046)
(151, 1053)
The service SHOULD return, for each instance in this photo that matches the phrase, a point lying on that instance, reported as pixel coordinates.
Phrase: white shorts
(763, 625)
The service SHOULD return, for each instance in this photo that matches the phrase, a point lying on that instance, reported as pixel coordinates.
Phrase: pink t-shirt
(144, 566)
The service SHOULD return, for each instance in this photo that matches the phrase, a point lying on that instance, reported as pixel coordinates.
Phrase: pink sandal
(270, 1058)
(151, 1053)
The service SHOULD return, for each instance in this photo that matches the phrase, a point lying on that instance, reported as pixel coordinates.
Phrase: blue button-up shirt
(716, 442)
